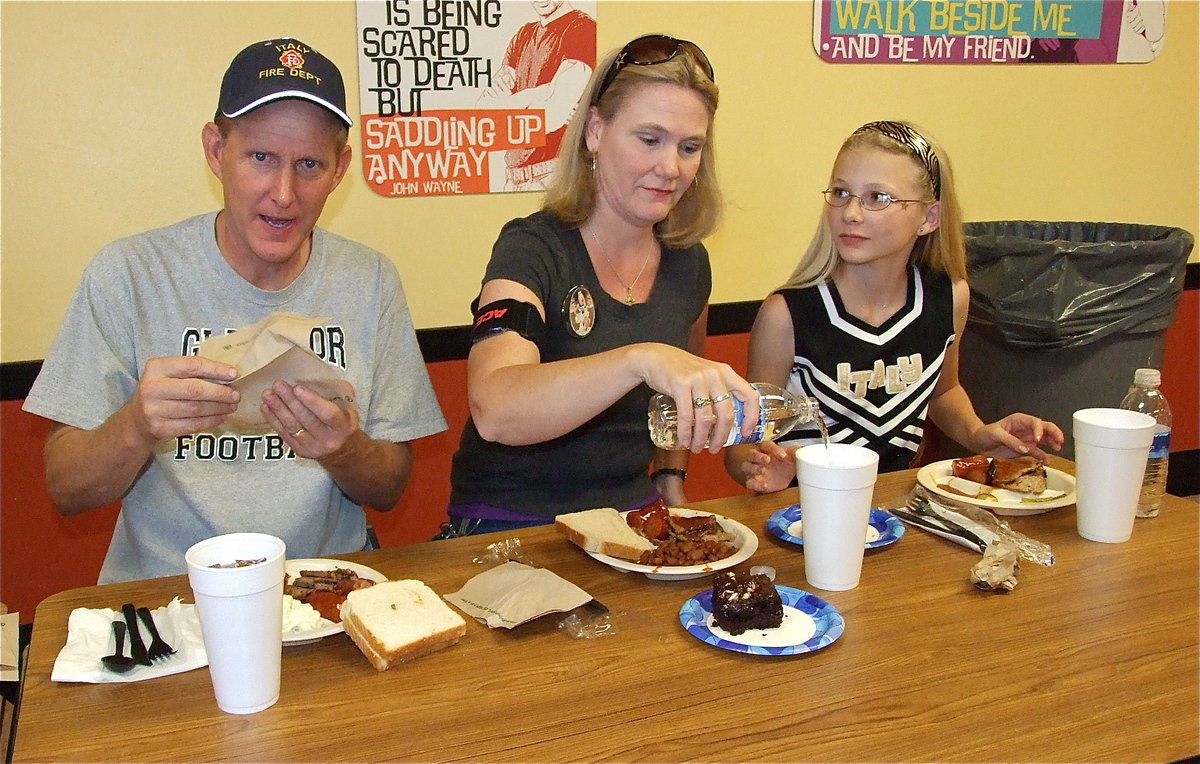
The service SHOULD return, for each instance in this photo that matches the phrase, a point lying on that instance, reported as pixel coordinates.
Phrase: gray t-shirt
(161, 293)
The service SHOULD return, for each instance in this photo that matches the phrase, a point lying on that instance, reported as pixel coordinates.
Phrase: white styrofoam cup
(836, 484)
(241, 616)
(1111, 447)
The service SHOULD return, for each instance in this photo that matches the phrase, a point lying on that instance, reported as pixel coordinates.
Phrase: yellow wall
(103, 104)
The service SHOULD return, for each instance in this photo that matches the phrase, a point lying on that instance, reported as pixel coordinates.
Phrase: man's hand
(313, 426)
(175, 396)
(371, 472)
(182, 395)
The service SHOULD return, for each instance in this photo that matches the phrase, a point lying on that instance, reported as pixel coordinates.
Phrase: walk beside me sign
(988, 31)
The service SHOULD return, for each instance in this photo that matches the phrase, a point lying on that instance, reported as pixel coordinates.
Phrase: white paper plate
(939, 472)
(744, 541)
(293, 568)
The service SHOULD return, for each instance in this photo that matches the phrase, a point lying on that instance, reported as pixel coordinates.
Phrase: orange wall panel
(41, 552)
(1181, 372)
(422, 508)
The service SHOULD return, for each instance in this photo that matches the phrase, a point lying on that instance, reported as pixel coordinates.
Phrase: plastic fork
(158, 647)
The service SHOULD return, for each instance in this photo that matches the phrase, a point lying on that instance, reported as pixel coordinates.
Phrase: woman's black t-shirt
(604, 462)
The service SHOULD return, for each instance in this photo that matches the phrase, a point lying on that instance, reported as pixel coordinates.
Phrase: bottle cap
(1147, 378)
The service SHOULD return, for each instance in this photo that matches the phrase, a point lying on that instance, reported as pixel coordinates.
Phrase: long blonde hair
(942, 251)
(571, 196)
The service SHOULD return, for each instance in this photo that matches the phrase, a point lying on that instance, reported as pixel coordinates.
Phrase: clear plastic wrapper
(508, 550)
(980, 522)
(591, 621)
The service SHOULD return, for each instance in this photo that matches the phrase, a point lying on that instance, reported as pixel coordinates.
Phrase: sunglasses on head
(649, 50)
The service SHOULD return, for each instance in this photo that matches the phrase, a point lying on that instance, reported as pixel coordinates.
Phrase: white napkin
(90, 636)
(10, 653)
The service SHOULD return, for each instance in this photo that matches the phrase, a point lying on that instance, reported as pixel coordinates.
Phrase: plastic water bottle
(778, 413)
(1145, 397)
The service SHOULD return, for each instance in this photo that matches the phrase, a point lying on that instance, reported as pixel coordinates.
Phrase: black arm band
(505, 315)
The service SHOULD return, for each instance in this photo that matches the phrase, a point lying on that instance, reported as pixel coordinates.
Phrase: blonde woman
(595, 302)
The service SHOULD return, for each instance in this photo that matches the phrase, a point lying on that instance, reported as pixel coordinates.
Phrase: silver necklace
(628, 287)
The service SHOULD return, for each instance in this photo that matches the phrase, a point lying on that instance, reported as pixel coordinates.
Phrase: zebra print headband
(912, 140)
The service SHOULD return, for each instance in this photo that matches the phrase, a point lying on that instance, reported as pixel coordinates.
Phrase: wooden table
(1094, 658)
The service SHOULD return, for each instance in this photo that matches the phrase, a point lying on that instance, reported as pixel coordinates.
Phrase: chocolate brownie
(742, 602)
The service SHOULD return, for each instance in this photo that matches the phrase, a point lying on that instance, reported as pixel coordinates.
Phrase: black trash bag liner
(1056, 284)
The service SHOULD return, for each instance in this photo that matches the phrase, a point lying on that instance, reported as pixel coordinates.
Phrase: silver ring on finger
(298, 433)
(722, 397)
(701, 402)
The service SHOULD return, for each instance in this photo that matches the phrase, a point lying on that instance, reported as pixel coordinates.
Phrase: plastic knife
(137, 648)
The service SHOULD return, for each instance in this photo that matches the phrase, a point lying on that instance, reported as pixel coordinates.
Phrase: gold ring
(722, 397)
(701, 402)
(298, 433)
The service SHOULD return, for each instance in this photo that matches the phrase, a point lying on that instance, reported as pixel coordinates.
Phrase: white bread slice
(603, 531)
(397, 621)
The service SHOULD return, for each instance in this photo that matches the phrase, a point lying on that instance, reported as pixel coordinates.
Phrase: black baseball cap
(285, 68)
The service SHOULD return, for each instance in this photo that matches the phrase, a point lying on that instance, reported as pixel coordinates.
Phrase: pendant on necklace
(629, 300)
(579, 308)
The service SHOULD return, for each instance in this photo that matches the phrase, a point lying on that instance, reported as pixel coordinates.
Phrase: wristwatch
(679, 473)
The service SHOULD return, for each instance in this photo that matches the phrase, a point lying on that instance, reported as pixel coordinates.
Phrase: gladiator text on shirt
(328, 342)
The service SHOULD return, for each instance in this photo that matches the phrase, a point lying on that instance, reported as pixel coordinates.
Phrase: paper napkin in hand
(90, 636)
(511, 594)
(274, 348)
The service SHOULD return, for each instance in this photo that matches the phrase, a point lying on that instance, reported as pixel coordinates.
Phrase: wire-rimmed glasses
(874, 201)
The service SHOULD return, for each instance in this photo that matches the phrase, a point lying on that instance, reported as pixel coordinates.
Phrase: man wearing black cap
(138, 416)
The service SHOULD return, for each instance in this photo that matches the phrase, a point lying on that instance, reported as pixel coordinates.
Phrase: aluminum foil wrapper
(998, 569)
(982, 523)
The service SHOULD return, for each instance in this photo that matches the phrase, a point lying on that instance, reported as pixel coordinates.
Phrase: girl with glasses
(869, 320)
(593, 303)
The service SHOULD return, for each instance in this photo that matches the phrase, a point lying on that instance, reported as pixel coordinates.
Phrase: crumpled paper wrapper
(512, 594)
(274, 348)
(998, 569)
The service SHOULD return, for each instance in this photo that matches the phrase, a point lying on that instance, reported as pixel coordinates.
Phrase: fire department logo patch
(292, 59)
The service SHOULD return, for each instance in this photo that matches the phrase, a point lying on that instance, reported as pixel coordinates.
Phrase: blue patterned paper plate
(882, 528)
(809, 623)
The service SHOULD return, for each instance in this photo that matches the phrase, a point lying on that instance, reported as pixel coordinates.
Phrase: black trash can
(1063, 313)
